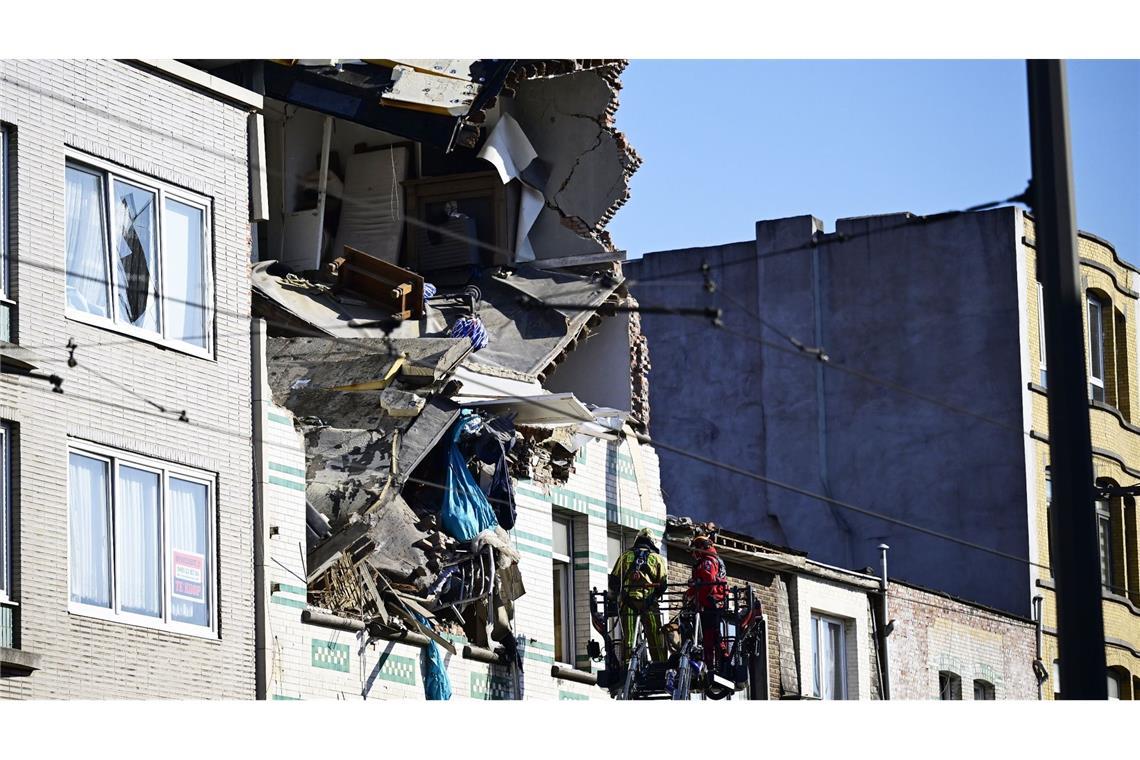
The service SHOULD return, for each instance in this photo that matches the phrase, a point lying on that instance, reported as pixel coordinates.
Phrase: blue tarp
(437, 684)
(465, 512)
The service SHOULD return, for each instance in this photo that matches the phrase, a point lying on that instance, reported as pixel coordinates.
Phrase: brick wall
(120, 113)
(934, 633)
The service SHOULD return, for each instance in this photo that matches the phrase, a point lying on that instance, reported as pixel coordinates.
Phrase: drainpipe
(885, 625)
(322, 189)
(1039, 670)
(820, 399)
(260, 606)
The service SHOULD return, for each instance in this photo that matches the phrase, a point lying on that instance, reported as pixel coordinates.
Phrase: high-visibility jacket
(639, 570)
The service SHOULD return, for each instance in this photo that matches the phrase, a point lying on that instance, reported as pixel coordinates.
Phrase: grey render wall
(933, 308)
(702, 384)
(127, 115)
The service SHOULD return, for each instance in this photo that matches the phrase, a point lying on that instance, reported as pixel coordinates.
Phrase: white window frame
(6, 511)
(115, 459)
(819, 621)
(1043, 364)
(1096, 380)
(163, 191)
(4, 209)
(567, 591)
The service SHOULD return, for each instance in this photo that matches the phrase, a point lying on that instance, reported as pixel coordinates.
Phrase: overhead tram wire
(710, 462)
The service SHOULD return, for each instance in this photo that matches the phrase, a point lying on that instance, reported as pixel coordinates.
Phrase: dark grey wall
(933, 308)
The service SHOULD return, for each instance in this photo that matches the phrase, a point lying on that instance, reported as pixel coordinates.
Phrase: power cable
(762, 478)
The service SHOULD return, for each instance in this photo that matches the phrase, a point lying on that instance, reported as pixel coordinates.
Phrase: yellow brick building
(1114, 412)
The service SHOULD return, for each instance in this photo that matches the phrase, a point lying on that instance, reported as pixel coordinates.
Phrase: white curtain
(188, 533)
(828, 659)
(86, 255)
(184, 280)
(140, 576)
(90, 560)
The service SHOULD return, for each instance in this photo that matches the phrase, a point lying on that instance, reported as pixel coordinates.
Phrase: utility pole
(1076, 558)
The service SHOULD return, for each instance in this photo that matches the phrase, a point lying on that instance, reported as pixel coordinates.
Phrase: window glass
(949, 685)
(136, 256)
(5, 518)
(561, 536)
(1041, 334)
(613, 548)
(561, 623)
(87, 280)
(90, 534)
(3, 213)
(189, 553)
(1096, 350)
(138, 549)
(1113, 686)
(185, 273)
(1104, 536)
(829, 658)
(983, 690)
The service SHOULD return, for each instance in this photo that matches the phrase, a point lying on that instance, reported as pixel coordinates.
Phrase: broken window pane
(87, 278)
(189, 556)
(185, 274)
(137, 256)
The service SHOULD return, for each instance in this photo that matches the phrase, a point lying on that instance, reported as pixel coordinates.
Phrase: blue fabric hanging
(437, 684)
(465, 512)
(471, 327)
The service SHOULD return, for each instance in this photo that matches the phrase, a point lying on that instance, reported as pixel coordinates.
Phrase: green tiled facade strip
(299, 590)
(540, 657)
(398, 669)
(279, 419)
(288, 602)
(286, 483)
(330, 655)
(532, 537)
(541, 645)
(598, 508)
(295, 472)
(283, 697)
(592, 555)
(533, 550)
(592, 566)
(569, 695)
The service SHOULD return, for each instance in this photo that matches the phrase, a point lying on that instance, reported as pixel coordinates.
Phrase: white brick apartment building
(127, 517)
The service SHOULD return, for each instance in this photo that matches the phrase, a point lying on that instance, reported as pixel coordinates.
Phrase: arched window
(1118, 683)
(1096, 344)
(983, 690)
(949, 685)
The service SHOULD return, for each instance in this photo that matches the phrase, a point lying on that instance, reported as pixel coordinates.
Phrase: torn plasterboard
(569, 119)
(510, 152)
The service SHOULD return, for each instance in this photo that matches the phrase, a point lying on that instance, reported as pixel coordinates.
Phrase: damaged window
(139, 540)
(136, 254)
(561, 554)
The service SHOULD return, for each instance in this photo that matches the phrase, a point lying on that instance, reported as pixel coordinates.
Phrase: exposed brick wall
(933, 633)
(121, 113)
(767, 588)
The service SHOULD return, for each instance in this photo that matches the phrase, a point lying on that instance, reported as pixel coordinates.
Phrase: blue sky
(727, 143)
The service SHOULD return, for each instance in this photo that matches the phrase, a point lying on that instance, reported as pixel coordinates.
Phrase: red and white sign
(189, 575)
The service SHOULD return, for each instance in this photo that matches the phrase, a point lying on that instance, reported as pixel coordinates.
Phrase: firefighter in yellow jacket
(639, 578)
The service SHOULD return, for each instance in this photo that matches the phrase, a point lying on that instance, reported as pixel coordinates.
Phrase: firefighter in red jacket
(707, 589)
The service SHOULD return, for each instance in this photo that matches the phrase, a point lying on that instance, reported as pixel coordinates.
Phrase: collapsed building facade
(448, 376)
